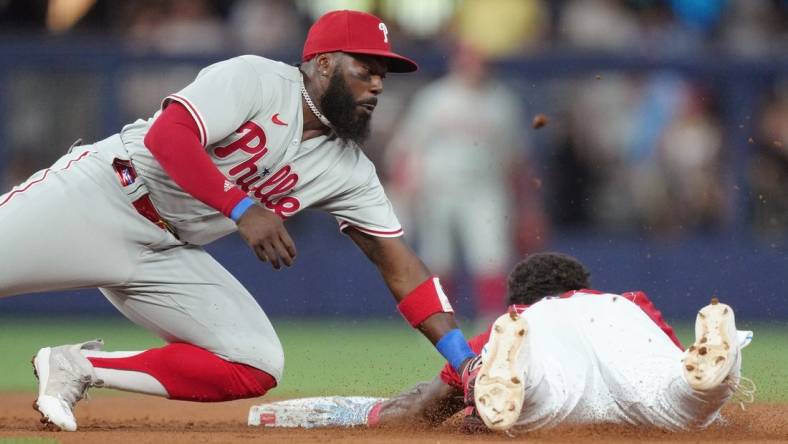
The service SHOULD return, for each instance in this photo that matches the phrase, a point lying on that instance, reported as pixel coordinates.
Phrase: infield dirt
(120, 419)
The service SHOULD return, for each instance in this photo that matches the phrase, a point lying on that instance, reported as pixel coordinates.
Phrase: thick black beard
(339, 107)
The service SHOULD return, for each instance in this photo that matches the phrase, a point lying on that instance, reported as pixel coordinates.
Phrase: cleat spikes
(714, 357)
(499, 394)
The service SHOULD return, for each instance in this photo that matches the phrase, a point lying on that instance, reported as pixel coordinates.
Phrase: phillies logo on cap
(354, 32)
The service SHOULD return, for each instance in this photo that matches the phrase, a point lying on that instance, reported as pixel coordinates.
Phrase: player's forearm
(404, 273)
(420, 298)
(174, 141)
(427, 403)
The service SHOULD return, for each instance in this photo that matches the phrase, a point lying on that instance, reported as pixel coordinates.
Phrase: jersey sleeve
(221, 98)
(363, 203)
(449, 375)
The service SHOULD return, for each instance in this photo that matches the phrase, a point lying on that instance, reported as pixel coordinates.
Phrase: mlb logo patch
(125, 171)
(126, 178)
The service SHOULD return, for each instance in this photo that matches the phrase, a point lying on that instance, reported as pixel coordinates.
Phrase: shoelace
(83, 383)
(743, 391)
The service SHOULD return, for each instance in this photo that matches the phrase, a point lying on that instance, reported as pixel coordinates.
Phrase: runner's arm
(427, 403)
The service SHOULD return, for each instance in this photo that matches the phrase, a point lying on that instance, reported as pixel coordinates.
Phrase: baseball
(540, 120)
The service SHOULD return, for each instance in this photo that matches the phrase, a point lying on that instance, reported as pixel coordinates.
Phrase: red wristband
(424, 301)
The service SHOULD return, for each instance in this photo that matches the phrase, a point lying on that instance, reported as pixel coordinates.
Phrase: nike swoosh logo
(275, 119)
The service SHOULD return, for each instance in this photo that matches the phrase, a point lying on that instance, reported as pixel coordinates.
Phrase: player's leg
(486, 237)
(70, 226)
(221, 344)
(711, 367)
(642, 368)
(499, 387)
(214, 327)
(436, 245)
(540, 356)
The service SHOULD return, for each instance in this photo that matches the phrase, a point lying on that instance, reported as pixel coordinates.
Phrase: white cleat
(499, 388)
(715, 355)
(64, 376)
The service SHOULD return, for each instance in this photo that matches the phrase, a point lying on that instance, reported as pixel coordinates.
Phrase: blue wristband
(241, 208)
(454, 348)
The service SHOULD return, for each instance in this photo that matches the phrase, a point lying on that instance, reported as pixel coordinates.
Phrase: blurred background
(662, 162)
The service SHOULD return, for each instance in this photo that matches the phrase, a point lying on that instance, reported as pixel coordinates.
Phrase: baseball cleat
(499, 387)
(715, 354)
(64, 376)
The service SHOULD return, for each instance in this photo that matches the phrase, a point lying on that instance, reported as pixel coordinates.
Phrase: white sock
(126, 380)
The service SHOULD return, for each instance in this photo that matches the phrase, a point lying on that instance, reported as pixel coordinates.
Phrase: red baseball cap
(354, 32)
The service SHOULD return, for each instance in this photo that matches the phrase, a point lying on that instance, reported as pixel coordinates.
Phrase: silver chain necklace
(313, 108)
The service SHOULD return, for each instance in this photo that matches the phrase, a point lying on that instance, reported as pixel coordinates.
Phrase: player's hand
(264, 231)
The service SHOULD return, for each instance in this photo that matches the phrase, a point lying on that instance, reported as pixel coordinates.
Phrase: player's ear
(325, 63)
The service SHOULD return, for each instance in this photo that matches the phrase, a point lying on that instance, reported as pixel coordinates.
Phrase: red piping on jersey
(173, 140)
(345, 225)
(195, 115)
(46, 173)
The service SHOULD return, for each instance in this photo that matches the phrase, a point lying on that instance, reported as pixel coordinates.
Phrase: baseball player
(249, 143)
(562, 355)
(452, 162)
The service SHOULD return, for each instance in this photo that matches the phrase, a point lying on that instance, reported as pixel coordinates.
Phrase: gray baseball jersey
(249, 113)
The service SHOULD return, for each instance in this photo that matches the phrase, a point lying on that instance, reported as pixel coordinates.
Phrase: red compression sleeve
(190, 373)
(174, 141)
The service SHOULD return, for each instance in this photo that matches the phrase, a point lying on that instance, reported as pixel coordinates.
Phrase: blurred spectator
(23, 16)
(625, 151)
(50, 111)
(683, 191)
(265, 27)
(172, 27)
(753, 27)
(769, 171)
(451, 165)
(601, 121)
(502, 28)
(638, 155)
(191, 26)
(598, 24)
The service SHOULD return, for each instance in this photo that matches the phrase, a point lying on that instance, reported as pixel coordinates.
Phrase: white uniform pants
(600, 358)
